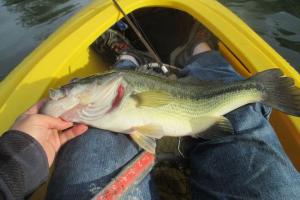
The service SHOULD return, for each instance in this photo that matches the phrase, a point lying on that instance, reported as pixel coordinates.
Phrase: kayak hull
(67, 54)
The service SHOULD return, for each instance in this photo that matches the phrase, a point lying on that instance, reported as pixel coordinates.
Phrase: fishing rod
(164, 67)
(138, 33)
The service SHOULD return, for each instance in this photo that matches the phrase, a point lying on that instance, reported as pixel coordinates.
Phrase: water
(24, 24)
(277, 21)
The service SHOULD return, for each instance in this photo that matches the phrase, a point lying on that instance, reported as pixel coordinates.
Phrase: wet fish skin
(148, 106)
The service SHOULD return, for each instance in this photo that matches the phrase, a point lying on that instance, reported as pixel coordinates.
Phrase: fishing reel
(167, 70)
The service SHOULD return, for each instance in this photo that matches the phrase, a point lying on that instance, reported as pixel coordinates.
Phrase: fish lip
(72, 114)
(50, 109)
(56, 108)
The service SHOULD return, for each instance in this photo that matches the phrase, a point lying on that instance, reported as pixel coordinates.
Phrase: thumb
(54, 123)
(35, 108)
(72, 133)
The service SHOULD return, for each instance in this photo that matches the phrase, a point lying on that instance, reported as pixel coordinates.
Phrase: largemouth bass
(148, 107)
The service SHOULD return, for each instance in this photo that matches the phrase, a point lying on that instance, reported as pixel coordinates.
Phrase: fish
(147, 106)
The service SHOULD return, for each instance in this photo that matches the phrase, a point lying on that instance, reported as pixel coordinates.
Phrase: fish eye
(56, 94)
(75, 80)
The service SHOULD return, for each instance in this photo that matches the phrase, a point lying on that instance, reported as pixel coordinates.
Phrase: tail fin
(279, 91)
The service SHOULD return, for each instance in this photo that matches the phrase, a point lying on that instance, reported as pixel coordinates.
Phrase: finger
(36, 107)
(72, 133)
(51, 122)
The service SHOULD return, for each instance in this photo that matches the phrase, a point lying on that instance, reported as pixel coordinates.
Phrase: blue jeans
(248, 165)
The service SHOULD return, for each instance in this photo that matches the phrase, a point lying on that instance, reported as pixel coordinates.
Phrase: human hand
(50, 132)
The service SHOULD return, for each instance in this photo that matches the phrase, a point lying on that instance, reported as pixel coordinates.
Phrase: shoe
(113, 41)
(141, 57)
(118, 45)
(181, 55)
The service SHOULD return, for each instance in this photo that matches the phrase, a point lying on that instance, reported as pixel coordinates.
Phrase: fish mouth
(57, 108)
(73, 113)
(94, 111)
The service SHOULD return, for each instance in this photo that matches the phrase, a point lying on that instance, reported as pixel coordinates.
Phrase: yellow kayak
(67, 54)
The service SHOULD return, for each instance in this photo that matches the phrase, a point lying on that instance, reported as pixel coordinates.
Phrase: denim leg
(125, 64)
(248, 165)
(87, 164)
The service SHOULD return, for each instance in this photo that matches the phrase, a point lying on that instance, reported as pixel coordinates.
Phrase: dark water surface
(24, 24)
(277, 21)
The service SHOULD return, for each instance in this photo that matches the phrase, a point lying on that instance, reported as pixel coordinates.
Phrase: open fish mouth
(96, 110)
(56, 108)
(79, 101)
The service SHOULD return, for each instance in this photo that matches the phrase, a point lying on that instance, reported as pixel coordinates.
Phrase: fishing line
(178, 147)
(146, 42)
(138, 33)
(143, 33)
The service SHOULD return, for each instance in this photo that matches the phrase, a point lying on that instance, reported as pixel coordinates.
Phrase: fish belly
(130, 117)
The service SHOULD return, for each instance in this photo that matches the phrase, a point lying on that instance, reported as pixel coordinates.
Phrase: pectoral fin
(150, 130)
(153, 98)
(145, 142)
(212, 127)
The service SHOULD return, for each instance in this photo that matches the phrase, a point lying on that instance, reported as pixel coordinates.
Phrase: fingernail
(68, 123)
(65, 121)
(83, 128)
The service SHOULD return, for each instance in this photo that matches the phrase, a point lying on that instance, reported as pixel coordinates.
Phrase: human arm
(29, 148)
